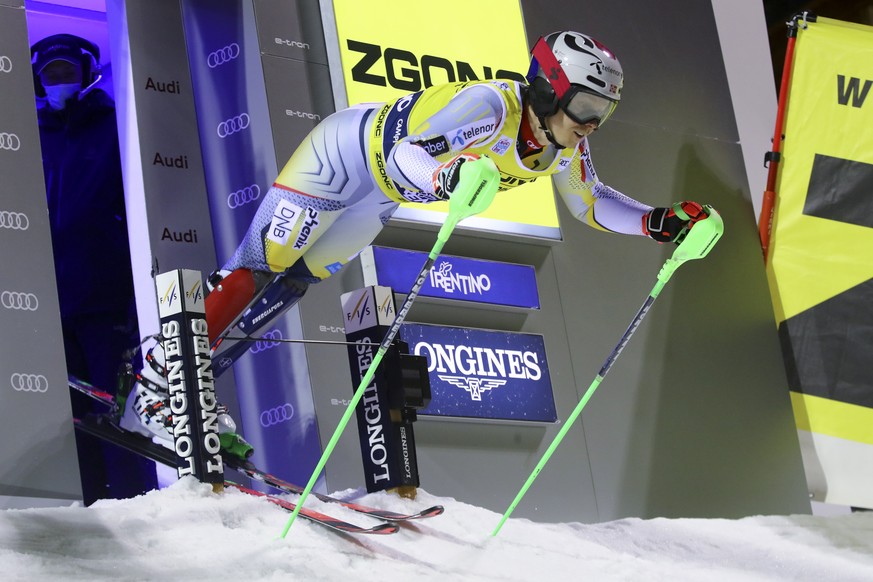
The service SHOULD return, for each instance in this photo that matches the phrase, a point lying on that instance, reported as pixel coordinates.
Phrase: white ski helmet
(577, 74)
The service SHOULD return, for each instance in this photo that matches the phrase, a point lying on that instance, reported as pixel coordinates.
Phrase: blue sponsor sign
(484, 374)
(453, 277)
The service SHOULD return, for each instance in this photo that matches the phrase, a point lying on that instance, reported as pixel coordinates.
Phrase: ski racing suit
(353, 170)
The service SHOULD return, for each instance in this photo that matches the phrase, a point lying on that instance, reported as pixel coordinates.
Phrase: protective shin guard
(227, 300)
(277, 298)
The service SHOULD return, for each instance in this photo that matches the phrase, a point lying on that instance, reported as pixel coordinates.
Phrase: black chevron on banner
(841, 190)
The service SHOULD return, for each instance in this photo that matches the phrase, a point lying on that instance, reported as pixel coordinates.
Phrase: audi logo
(277, 415)
(223, 55)
(233, 125)
(13, 220)
(244, 196)
(9, 141)
(5, 64)
(28, 382)
(19, 301)
(269, 340)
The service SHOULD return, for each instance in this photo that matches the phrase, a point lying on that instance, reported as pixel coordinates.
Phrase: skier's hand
(671, 224)
(448, 175)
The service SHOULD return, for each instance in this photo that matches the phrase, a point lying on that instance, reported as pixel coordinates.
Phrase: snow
(186, 532)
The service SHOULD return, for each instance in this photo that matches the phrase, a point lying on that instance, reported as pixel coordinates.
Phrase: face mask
(57, 95)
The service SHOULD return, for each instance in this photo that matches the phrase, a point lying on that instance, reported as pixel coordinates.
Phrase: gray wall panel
(291, 29)
(299, 96)
(39, 455)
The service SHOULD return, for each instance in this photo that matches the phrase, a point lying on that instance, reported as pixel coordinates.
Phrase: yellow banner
(829, 115)
(821, 262)
(387, 51)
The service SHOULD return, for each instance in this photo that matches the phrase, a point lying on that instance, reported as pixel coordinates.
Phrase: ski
(92, 391)
(253, 472)
(326, 520)
(250, 470)
(101, 427)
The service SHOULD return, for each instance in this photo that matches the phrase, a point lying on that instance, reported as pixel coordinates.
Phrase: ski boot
(142, 406)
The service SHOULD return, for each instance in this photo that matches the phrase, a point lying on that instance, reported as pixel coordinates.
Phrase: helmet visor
(584, 107)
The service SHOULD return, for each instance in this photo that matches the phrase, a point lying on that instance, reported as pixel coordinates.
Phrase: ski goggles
(584, 107)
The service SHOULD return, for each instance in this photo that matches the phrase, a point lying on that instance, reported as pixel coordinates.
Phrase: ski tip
(385, 528)
(433, 511)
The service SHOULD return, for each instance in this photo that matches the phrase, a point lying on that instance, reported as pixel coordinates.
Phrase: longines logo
(19, 301)
(475, 386)
(233, 125)
(5, 64)
(28, 382)
(223, 55)
(13, 220)
(277, 415)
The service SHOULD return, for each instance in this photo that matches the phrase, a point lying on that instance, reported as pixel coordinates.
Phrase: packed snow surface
(186, 532)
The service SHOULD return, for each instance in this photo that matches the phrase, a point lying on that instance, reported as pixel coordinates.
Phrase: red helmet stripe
(551, 67)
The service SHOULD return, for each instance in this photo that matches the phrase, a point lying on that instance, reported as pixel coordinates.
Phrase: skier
(347, 178)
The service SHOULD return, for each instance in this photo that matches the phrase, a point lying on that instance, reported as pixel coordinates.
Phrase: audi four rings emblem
(29, 382)
(9, 141)
(244, 196)
(277, 415)
(267, 341)
(19, 301)
(5, 64)
(232, 125)
(13, 220)
(222, 55)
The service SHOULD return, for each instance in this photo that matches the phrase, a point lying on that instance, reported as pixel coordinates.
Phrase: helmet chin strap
(548, 132)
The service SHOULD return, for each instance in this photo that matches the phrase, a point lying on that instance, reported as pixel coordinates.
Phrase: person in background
(85, 195)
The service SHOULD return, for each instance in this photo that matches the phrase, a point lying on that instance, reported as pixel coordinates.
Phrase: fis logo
(475, 386)
(195, 293)
(386, 309)
(361, 309)
(170, 296)
(284, 218)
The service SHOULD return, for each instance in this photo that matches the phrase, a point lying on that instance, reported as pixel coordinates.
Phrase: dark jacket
(86, 205)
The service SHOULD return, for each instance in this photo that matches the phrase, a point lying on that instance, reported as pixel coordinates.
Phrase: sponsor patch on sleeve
(467, 134)
(435, 146)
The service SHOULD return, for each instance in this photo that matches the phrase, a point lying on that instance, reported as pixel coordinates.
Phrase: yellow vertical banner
(821, 262)
(387, 52)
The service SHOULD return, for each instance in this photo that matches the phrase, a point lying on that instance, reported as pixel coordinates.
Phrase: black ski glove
(448, 175)
(671, 224)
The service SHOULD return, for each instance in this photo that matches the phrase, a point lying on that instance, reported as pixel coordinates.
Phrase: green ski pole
(479, 181)
(696, 244)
